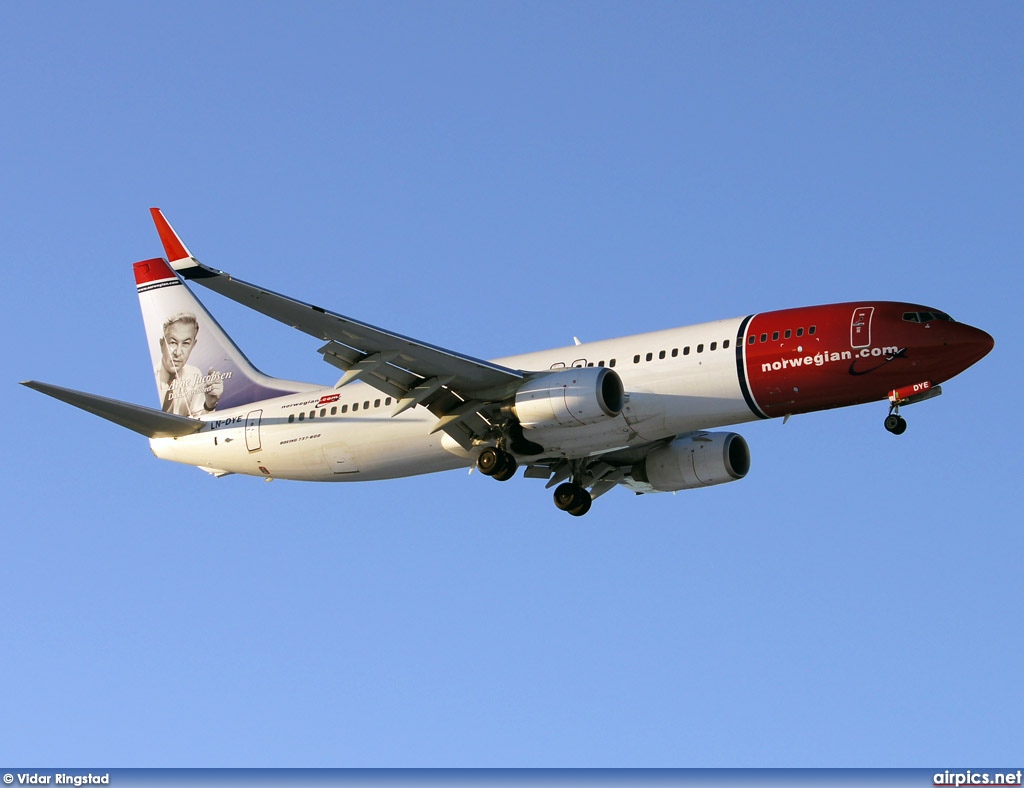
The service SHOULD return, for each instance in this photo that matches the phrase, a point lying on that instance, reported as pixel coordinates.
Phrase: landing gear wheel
(896, 424)
(565, 496)
(572, 498)
(508, 468)
(497, 464)
(489, 462)
(583, 507)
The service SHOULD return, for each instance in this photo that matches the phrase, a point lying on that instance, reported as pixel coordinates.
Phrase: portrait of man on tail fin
(184, 389)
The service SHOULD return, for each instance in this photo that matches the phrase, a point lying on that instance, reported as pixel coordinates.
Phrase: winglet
(173, 246)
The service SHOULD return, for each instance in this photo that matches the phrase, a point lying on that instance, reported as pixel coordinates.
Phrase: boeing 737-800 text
(634, 411)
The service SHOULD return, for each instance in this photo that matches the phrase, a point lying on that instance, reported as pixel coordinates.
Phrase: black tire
(489, 461)
(508, 468)
(892, 423)
(566, 496)
(583, 505)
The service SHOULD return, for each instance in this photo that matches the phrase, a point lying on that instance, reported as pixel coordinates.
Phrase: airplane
(641, 411)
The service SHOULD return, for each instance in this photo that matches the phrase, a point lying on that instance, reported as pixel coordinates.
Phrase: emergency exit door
(252, 430)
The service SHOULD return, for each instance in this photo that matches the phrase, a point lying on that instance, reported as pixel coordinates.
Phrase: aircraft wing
(146, 421)
(456, 388)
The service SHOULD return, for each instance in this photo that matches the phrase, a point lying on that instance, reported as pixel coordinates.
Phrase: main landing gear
(572, 498)
(496, 463)
(894, 422)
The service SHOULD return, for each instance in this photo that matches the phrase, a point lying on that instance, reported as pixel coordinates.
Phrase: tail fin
(198, 368)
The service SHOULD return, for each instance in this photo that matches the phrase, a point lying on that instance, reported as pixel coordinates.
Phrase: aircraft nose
(973, 343)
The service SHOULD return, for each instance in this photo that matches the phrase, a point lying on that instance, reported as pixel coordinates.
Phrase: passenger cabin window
(800, 332)
(714, 346)
(725, 345)
(812, 329)
(291, 418)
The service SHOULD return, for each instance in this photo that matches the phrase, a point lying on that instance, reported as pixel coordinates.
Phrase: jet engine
(698, 460)
(569, 398)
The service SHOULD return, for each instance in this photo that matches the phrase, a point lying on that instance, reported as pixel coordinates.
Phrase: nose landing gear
(907, 395)
(572, 498)
(894, 422)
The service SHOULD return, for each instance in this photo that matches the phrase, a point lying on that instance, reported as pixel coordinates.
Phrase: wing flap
(146, 421)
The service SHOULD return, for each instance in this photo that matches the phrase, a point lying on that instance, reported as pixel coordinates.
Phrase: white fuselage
(686, 379)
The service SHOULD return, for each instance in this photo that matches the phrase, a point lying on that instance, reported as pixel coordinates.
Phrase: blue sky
(498, 178)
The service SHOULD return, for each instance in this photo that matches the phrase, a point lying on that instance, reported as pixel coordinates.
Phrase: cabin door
(252, 430)
(860, 326)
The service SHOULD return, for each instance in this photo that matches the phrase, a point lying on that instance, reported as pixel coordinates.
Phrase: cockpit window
(926, 317)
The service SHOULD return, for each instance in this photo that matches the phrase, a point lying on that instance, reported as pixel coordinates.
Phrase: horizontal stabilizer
(146, 421)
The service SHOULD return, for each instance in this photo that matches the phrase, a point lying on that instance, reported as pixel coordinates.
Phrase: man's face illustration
(176, 346)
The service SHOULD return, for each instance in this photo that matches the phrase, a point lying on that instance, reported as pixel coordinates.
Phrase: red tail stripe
(152, 271)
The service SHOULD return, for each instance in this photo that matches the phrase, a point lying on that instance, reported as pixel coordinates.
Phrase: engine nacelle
(570, 397)
(698, 460)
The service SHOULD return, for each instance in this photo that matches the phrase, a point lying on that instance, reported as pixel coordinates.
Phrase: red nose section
(965, 347)
(814, 358)
(980, 343)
